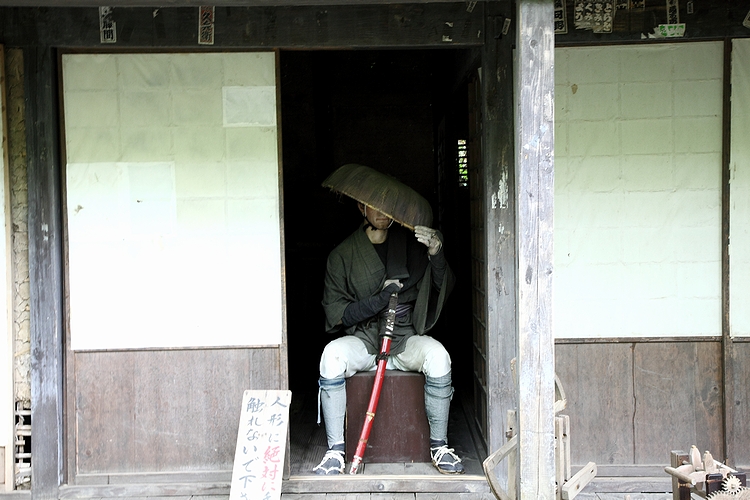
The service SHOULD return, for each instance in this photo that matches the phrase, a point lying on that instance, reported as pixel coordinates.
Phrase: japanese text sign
(261, 444)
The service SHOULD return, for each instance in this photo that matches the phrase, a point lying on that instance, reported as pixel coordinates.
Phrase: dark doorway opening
(403, 113)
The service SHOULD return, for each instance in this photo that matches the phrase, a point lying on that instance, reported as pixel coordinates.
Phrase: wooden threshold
(350, 484)
(144, 490)
(463, 483)
(16, 495)
(295, 484)
(206, 477)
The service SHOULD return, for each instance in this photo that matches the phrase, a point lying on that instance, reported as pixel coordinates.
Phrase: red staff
(385, 349)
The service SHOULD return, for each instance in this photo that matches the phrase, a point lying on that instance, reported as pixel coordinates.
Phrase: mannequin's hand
(428, 237)
(392, 282)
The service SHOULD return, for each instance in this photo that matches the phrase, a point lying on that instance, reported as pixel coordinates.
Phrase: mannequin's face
(378, 219)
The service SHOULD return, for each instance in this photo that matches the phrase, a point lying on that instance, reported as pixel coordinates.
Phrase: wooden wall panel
(678, 398)
(740, 404)
(632, 403)
(175, 410)
(597, 379)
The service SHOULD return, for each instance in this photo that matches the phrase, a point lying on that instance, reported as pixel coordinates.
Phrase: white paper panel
(173, 219)
(638, 191)
(249, 106)
(739, 216)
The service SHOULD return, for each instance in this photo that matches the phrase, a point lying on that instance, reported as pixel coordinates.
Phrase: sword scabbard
(377, 386)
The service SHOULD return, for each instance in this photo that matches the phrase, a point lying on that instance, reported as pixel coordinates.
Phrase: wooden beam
(500, 224)
(197, 3)
(709, 21)
(534, 88)
(443, 25)
(45, 271)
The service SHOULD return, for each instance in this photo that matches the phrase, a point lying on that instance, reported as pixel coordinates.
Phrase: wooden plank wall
(163, 411)
(739, 434)
(632, 403)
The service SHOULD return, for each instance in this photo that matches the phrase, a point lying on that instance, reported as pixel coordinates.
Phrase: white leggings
(348, 355)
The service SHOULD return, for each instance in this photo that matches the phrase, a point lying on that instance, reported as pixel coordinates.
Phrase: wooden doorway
(401, 112)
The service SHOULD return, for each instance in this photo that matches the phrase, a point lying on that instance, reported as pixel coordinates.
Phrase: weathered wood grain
(143, 491)
(496, 278)
(174, 410)
(534, 124)
(728, 359)
(454, 496)
(45, 268)
(634, 496)
(597, 379)
(678, 399)
(437, 483)
(391, 496)
(302, 26)
(740, 403)
(629, 486)
(196, 3)
(311, 496)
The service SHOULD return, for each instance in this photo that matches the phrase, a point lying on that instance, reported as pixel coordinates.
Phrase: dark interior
(401, 112)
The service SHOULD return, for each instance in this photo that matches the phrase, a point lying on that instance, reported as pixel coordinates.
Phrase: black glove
(369, 307)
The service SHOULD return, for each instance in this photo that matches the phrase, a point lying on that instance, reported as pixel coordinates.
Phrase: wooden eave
(197, 3)
(437, 25)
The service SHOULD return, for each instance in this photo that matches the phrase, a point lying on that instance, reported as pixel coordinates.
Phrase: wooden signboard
(261, 444)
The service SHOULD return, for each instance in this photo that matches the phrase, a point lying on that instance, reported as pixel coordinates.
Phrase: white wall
(638, 190)
(6, 331)
(172, 200)
(739, 216)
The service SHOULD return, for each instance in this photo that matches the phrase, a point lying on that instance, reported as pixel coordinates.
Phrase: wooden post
(499, 228)
(45, 271)
(534, 90)
(727, 344)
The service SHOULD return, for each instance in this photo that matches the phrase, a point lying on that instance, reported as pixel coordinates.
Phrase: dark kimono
(355, 271)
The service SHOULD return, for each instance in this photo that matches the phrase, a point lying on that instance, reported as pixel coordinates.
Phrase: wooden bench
(400, 432)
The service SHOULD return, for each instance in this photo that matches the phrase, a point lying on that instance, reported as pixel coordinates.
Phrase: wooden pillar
(534, 90)
(727, 344)
(45, 271)
(499, 201)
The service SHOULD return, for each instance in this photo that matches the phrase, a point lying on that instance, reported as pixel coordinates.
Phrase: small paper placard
(261, 444)
(206, 15)
(107, 25)
(670, 30)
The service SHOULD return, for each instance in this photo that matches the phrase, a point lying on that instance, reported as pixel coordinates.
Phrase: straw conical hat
(382, 192)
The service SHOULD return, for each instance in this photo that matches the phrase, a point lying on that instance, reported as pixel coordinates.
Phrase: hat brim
(382, 192)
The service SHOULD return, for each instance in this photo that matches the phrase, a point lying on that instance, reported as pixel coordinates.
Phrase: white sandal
(445, 459)
(332, 463)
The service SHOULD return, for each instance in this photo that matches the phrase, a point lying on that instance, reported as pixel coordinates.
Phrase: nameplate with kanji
(261, 444)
